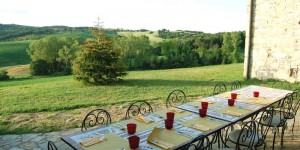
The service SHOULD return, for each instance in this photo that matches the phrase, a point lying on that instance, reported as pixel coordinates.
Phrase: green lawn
(60, 93)
(45, 104)
(14, 53)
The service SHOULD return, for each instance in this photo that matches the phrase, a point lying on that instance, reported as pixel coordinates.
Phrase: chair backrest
(291, 104)
(95, 117)
(138, 108)
(51, 146)
(280, 110)
(175, 97)
(236, 85)
(201, 143)
(251, 135)
(220, 87)
(282, 84)
(296, 100)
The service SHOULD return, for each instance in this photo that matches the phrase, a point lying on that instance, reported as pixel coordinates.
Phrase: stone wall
(273, 47)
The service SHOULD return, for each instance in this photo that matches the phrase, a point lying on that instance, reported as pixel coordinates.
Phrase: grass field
(153, 37)
(46, 94)
(18, 71)
(44, 104)
(14, 53)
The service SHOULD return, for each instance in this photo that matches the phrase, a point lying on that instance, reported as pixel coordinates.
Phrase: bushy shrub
(39, 67)
(3, 75)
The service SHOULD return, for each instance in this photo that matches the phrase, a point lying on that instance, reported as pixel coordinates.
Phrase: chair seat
(234, 135)
(277, 121)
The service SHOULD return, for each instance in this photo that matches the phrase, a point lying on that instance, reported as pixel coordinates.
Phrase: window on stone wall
(294, 72)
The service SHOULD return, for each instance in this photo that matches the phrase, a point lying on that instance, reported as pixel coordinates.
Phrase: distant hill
(13, 32)
(10, 32)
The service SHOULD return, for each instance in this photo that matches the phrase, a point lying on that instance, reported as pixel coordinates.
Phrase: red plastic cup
(204, 105)
(202, 112)
(256, 94)
(170, 115)
(233, 95)
(169, 123)
(231, 102)
(134, 142)
(131, 128)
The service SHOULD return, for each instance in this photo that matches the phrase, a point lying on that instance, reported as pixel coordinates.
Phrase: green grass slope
(44, 94)
(153, 36)
(14, 53)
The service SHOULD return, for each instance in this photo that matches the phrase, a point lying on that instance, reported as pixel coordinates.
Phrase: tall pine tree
(97, 61)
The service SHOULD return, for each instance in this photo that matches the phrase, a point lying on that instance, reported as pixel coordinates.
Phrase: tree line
(179, 49)
(13, 32)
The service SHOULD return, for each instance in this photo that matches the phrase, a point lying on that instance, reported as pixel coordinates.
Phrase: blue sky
(199, 15)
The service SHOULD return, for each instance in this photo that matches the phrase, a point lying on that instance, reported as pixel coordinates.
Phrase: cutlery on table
(161, 143)
(184, 134)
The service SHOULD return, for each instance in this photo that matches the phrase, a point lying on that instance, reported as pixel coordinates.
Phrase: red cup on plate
(134, 142)
(204, 105)
(256, 94)
(231, 102)
(233, 95)
(169, 123)
(202, 112)
(131, 128)
(170, 115)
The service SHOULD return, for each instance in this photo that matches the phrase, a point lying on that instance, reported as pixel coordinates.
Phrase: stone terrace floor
(39, 141)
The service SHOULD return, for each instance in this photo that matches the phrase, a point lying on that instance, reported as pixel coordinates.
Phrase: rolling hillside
(14, 53)
(152, 36)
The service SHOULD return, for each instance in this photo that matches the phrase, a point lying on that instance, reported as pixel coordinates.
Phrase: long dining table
(187, 123)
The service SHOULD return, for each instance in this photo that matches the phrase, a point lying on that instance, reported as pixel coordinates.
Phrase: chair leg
(274, 140)
(293, 128)
(282, 134)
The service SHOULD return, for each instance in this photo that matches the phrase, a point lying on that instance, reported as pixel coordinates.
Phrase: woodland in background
(181, 49)
(178, 49)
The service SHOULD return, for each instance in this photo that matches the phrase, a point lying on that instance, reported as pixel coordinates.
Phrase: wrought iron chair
(250, 136)
(138, 108)
(51, 146)
(236, 85)
(220, 87)
(292, 107)
(96, 117)
(278, 117)
(199, 143)
(175, 97)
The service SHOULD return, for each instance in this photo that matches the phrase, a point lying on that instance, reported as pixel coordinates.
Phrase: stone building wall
(273, 40)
